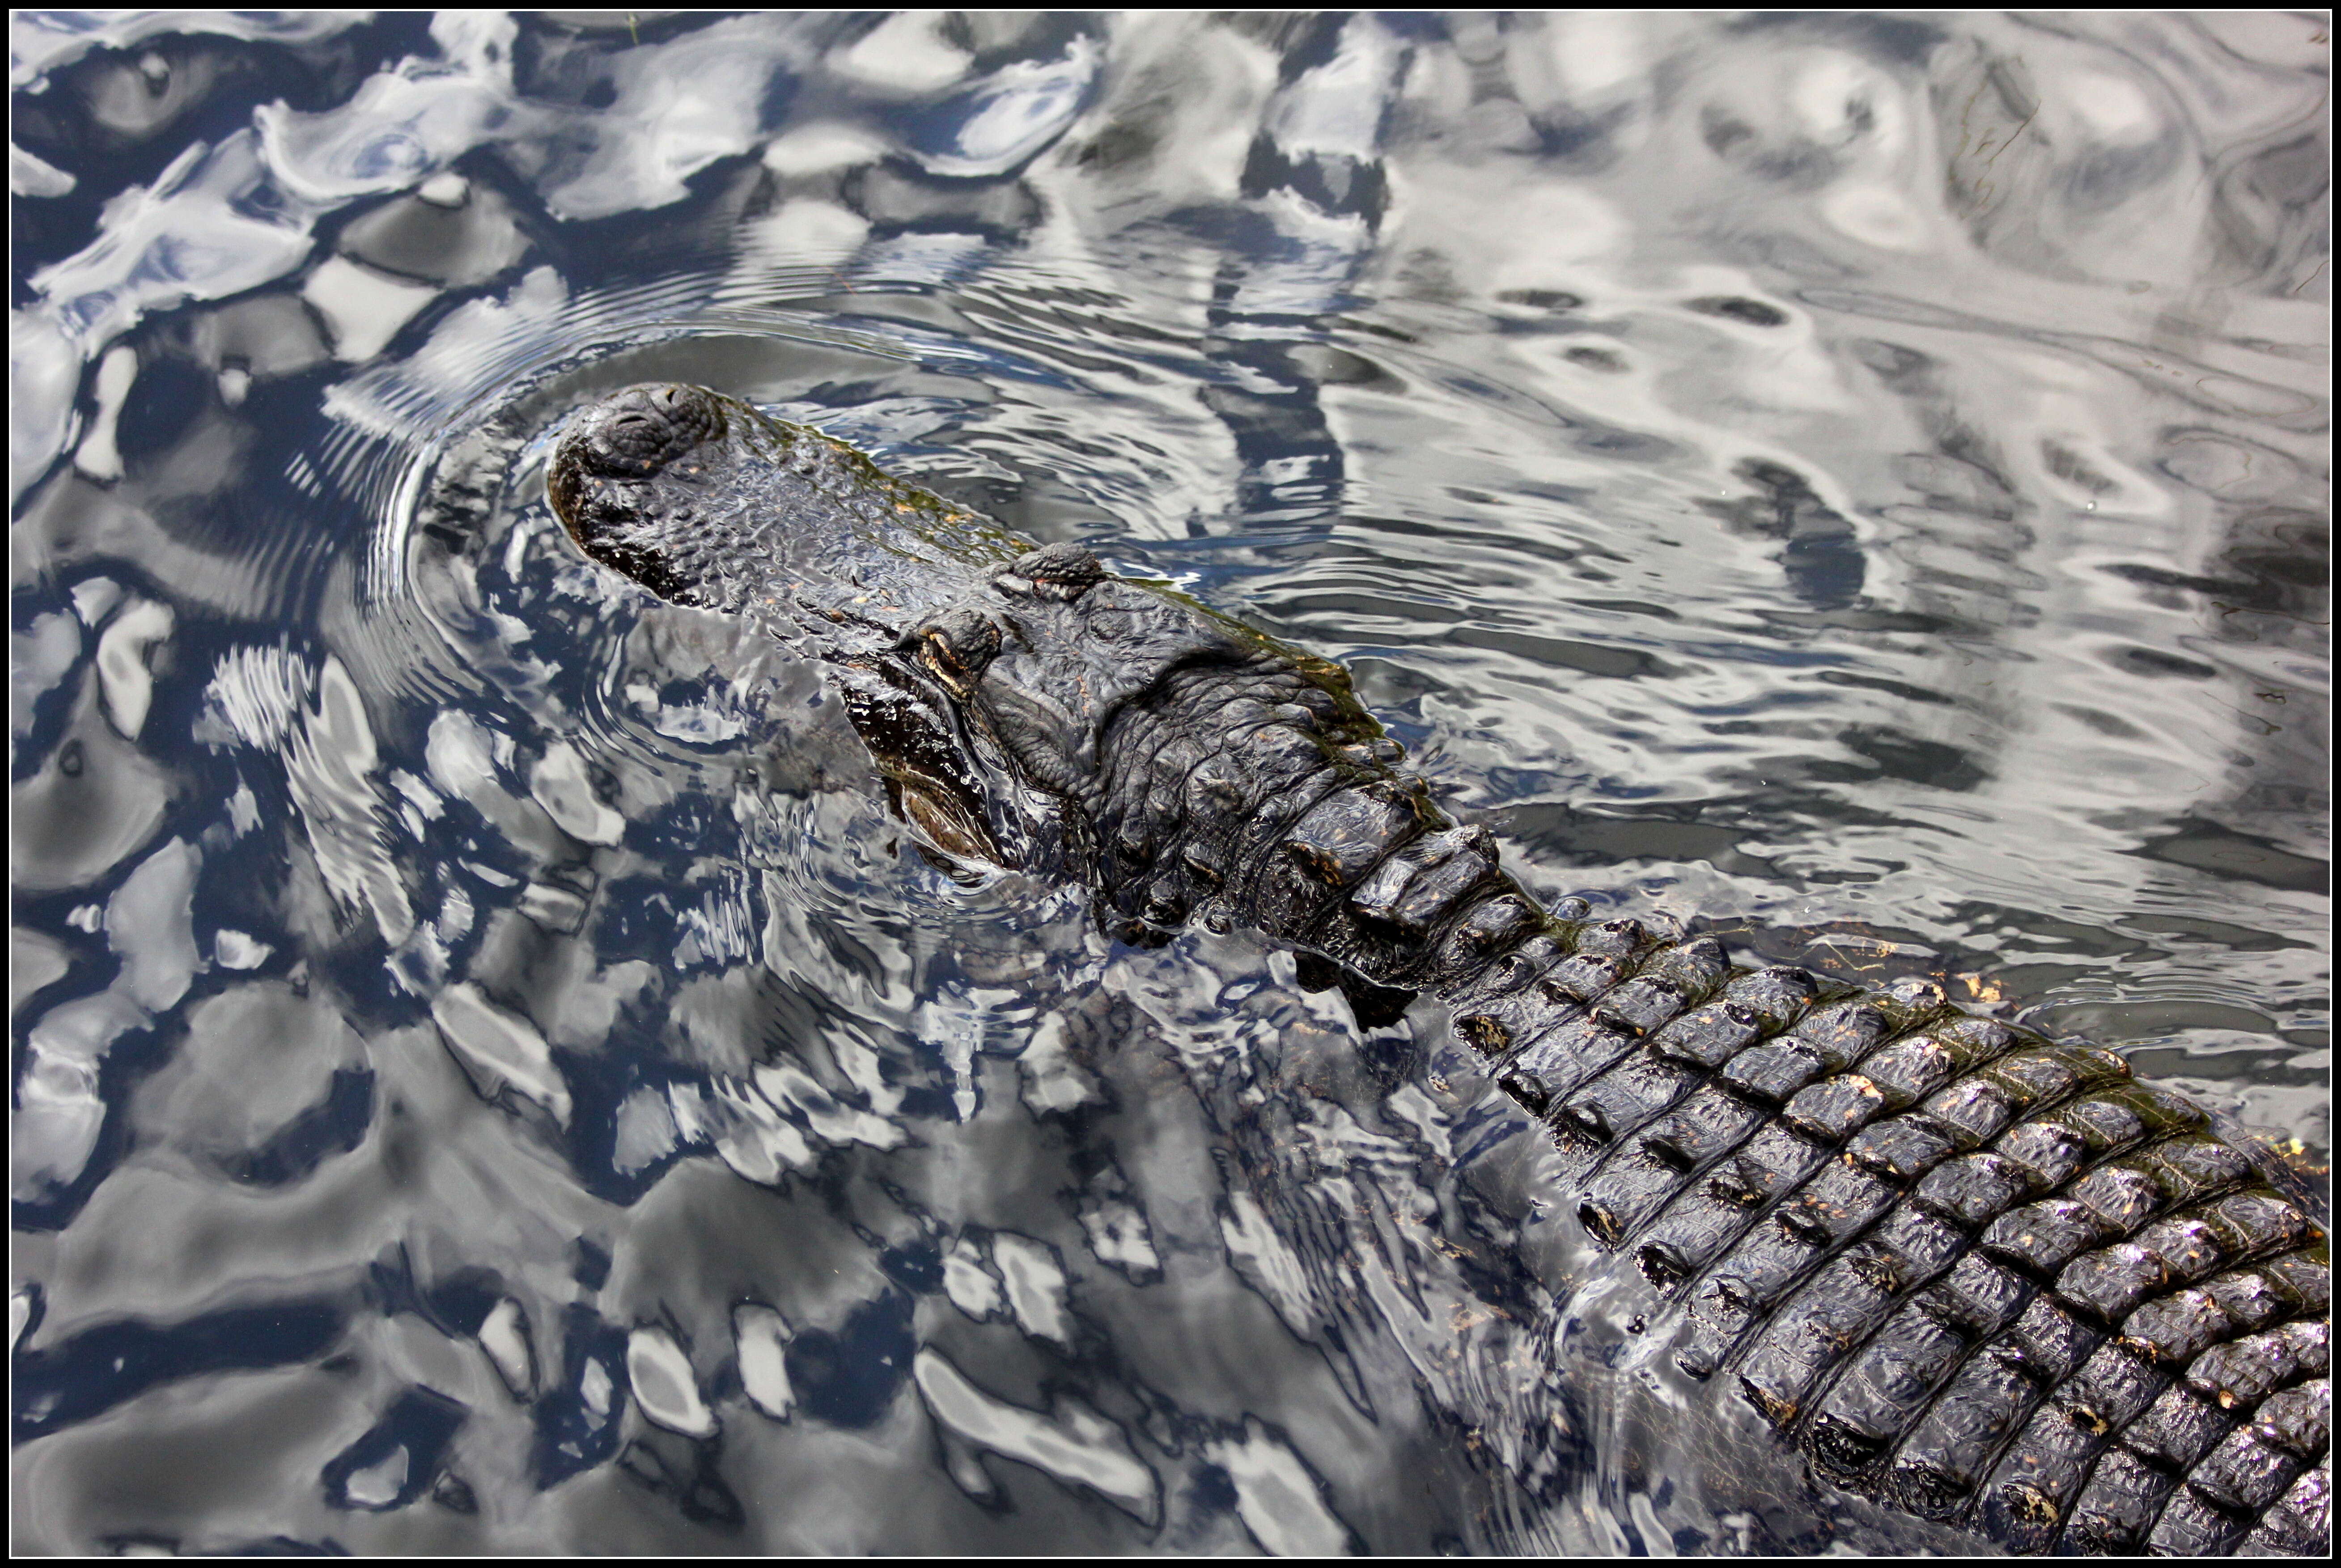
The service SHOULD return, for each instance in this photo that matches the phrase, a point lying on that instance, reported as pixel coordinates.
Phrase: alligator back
(1978, 1275)
(1983, 1276)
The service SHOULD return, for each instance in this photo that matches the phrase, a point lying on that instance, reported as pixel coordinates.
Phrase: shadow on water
(492, 1075)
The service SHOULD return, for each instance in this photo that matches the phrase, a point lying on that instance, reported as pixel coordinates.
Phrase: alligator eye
(956, 647)
(643, 428)
(1064, 572)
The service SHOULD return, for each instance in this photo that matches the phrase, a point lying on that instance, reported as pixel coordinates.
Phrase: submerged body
(1974, 1276)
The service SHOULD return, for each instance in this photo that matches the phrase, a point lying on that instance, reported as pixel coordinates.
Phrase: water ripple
(1854, 480)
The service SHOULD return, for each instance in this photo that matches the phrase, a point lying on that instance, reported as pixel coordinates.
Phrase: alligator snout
(621, 443)
(640, 431)
(621, 479)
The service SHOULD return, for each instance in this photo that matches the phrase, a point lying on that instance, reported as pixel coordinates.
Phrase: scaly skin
(1966, 1272)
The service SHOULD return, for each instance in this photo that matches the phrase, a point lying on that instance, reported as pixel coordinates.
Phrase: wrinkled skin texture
(1977, 1277)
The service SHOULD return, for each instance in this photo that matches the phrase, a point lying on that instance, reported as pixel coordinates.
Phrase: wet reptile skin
(1969, 1273)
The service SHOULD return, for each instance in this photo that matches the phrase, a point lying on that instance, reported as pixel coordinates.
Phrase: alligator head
(989, 678)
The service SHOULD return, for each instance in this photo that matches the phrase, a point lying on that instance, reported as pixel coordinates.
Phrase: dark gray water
(491, 1076)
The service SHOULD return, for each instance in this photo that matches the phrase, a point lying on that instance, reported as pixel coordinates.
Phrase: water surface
(491, 1077)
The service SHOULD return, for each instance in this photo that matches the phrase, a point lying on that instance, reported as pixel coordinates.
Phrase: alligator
(1983, 1280)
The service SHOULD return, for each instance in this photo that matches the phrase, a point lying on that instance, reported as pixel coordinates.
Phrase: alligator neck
(1251, 795)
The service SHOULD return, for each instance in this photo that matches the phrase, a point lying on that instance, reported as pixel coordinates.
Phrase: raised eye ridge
(1064, 570)
(956, 647)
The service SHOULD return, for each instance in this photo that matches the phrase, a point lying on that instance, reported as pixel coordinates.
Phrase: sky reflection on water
(490, 1076)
